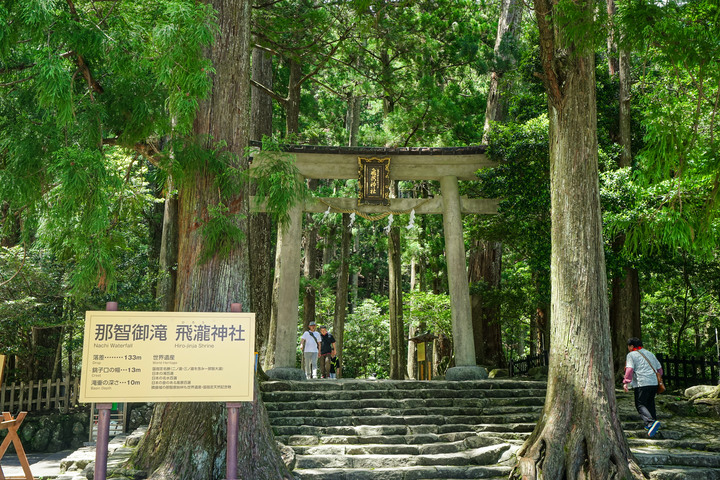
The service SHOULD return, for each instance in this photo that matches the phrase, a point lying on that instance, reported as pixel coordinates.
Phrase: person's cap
(323, 327)
(312, 324)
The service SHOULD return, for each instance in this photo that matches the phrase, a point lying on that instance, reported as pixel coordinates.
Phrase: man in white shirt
(640, 368)
(309, 343)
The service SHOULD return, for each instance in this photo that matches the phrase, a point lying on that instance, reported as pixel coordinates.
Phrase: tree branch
(267, 91)
(92, 83)
(8, 84)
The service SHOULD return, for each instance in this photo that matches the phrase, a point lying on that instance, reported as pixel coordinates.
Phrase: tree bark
(260, 237)
(485, 265)
(579, 434)
(397, 332)
(167, 263)
(310, 271)
(341, 292)
(188, 440)
(624, 313)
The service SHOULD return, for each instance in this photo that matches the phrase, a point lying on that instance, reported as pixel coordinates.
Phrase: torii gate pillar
(289, 239)
(463, 343)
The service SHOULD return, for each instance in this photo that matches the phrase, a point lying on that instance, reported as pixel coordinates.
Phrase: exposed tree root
(574, 451)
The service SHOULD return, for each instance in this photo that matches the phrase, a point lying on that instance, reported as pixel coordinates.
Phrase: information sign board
(168, 357)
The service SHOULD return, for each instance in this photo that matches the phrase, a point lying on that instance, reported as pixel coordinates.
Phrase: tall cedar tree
(188, 440)
(579, 434)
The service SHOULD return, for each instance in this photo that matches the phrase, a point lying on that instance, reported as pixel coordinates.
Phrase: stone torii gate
(446, 165)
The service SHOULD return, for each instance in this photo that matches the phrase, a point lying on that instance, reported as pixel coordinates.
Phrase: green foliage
(430, 310)
(522, 182)
(30, 298)
(678, 172)
(366, 350)
(277, 181)
(221, 233)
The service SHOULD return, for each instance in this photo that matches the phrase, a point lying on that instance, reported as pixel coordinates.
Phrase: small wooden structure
(12, 425)
(424, 354)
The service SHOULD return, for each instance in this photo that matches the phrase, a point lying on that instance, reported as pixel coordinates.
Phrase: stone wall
(52, 432)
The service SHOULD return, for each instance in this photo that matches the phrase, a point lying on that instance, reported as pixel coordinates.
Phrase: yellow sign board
(2, 367)
(168, 357)
(421, 352)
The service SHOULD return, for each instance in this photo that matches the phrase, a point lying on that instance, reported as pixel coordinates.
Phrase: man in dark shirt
(327, 350)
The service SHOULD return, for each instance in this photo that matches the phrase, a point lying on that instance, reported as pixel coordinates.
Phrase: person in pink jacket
(640, 368)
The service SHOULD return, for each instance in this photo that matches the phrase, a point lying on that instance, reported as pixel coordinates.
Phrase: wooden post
(12, 425)
(232, 426)
(103, 435)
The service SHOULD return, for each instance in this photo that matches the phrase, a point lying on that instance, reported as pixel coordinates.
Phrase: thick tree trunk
(260, 237)
(341, 292)
(310, 271)
(624, 315)
(167, 263)
(579, 434)
(485, 265)
(188, 440)
(397, 332)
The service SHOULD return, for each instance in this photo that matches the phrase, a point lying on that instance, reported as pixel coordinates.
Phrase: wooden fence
(677, 372)
(41, 395)
(522, 366)
(687, 372)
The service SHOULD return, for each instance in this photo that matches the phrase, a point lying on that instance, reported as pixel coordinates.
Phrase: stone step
(387, 420)
(324, 412)
(674, 444)
(346, 395)
(651, 456)
(387, 385)
(415, 447)
(490, 455)
(370, 430)
(682, 473)
(483, 438)
(405, 473)
(402, 403)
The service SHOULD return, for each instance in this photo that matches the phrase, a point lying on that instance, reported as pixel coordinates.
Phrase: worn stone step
(406, 473)
(490, 455)
(320, 411)
(370, 430)
(405, 420)
(674, 444)
(650, 456)
(404, 446)
(386, 385)
(682, 473)
(511, 403)
(347, 395)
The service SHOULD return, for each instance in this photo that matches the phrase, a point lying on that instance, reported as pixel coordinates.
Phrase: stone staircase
(410, 430)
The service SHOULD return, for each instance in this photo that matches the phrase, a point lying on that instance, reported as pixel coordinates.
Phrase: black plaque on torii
(374, 181)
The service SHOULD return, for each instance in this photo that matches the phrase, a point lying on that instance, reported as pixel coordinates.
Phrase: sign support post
(232, 426)
(103, 435)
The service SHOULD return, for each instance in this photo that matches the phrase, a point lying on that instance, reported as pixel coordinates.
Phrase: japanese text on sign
(168, 356)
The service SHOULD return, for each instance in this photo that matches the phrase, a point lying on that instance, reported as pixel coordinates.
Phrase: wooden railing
(687, 372)
(41, 395)
(523, 365)
(677, 372)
